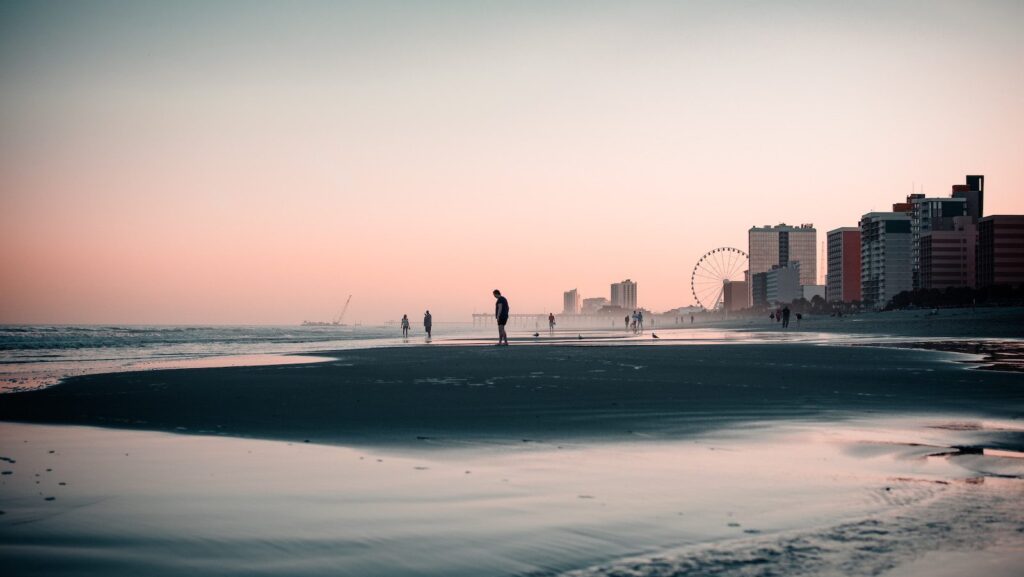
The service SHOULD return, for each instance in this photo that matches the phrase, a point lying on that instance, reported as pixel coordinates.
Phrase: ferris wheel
(712, 272)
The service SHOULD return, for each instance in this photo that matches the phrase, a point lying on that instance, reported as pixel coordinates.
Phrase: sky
(257, 162)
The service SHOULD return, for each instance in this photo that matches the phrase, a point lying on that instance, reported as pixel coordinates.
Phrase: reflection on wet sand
(109, 502)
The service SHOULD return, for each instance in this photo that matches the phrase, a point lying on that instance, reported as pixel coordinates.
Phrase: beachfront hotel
(624, 294)
(771, 246)
(885, 247)
(842, 281)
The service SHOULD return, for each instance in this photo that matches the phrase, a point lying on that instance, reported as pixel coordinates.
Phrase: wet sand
(780, 498)
(991, 355)
(789, 458)
(457, 395)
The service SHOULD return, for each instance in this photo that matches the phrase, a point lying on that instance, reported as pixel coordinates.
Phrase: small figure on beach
(772, 316)
(428, 322)
(785, 316)
(691, 318)
(640, 321)
(551, 323)
(799, 317)
(501, 314)
(627, 322)
(405, 326)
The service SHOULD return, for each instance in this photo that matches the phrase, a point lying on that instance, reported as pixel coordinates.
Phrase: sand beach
(713, 451)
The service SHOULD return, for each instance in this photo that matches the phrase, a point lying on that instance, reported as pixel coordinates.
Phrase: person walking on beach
(551, 323)
(405, 326)
(428, 322)
(501, 313)
(785, 316)
(627, 322)
(640, 321)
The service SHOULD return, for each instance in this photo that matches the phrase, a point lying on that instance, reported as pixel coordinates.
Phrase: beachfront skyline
(256, 163)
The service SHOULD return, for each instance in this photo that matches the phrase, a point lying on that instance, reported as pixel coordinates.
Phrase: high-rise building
(885, 246)
(928, 214)
(974, 194)
(843, 279)
(1000, 250)
(571, 302)
(624, 294)
(780, 245)
(782, 284)
(948, 256)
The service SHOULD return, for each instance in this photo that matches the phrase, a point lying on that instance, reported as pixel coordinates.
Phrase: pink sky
(179, 165)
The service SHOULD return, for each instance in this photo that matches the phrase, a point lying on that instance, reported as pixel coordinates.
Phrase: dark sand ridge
(433, 395)
(1007, 322)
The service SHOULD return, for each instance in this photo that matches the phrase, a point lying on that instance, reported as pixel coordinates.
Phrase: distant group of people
(500, 314)
(782, 316)
(635, 322)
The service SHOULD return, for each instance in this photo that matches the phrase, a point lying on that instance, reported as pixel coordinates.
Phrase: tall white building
(571, 302)
(885, 256)
(770, 246)
(624, 294)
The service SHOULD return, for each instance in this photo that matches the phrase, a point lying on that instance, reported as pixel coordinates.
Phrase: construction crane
(334, 323)
(344, 309)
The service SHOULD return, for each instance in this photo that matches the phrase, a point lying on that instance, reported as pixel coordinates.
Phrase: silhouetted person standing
(551, 323)
(785, 316)
(405, 326)
(501, 313)
(627, 322)
(428, 322)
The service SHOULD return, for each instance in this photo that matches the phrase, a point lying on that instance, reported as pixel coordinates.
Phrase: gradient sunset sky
(256, 162)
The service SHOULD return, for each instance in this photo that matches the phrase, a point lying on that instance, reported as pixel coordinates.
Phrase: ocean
(32, 356)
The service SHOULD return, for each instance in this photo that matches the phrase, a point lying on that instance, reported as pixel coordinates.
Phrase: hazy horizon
(256, 162)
